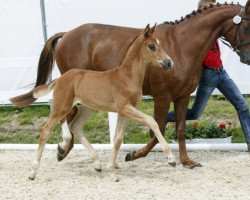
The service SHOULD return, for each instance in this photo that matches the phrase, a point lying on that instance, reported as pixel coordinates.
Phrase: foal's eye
(152, 47)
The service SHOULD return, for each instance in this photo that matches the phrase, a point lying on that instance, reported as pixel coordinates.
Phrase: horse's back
(94, 46)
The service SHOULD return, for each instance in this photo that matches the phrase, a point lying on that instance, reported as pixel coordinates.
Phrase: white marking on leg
(44, 136)
(119, 135)
(35, 166)
(66, 135)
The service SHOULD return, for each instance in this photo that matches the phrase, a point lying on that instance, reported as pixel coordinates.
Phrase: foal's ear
(152, 30)
(146, 31)
(247, 7)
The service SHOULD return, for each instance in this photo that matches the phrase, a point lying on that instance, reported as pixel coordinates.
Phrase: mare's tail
(45, 66)
(42, 90)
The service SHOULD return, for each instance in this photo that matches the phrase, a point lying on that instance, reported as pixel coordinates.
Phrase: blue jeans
(218, 78)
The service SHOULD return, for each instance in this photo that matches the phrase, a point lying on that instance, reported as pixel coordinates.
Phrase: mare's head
(238, 33)
(152, 50)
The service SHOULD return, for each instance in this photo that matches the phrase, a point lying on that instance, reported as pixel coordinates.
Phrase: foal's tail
(42, 90)
(45, 67)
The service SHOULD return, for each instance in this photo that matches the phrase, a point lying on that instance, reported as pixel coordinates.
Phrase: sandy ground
(224, 175)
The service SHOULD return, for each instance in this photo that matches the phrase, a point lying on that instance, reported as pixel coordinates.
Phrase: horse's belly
(94, 47)
(101, 106)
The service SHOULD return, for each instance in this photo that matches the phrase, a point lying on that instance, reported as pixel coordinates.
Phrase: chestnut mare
(118, 90)
(101, 47)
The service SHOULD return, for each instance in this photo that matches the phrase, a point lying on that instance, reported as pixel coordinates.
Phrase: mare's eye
(152, 47)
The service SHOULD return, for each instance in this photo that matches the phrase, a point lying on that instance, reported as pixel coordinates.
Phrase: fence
(26, 26)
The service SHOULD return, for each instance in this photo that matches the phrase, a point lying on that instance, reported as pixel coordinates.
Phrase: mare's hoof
(60, 153)
(194, 165)
(129, 156)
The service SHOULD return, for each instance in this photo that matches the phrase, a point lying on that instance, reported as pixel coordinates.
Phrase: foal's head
(152, 51)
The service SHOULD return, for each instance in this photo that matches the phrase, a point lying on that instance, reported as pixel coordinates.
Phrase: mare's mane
(194, 13)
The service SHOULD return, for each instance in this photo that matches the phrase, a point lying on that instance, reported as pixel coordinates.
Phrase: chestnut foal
(118, 90)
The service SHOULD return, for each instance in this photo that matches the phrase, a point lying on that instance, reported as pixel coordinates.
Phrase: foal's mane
(130, 44)
(195, 12)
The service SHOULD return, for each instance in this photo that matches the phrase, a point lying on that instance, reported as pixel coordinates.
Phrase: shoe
(248, 148)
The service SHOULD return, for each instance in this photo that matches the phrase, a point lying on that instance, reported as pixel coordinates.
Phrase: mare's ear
(146, 31)
(152, 30)
(247, 7)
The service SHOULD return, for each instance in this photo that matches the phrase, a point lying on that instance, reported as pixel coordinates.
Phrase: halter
(237, 22)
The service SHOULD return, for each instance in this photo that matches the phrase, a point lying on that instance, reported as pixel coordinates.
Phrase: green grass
(23, 125)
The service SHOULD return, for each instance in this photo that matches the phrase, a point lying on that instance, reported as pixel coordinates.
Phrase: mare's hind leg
(131, 112)
(119, 134)
(76, 126)
(65, 147)
(44, 136)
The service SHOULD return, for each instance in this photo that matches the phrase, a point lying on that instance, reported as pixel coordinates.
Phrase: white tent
(22, 33)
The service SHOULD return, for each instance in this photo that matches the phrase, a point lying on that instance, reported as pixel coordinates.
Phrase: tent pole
(45, 34)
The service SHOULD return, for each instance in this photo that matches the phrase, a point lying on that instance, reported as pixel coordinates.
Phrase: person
(215, 76)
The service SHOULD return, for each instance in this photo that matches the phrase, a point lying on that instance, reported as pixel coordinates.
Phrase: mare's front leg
(161, 107)
(180, 107)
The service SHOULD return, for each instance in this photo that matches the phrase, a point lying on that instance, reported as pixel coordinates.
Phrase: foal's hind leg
(119, 134)
(65, 147)
(76, 126)
(44, 136)
(131, 112)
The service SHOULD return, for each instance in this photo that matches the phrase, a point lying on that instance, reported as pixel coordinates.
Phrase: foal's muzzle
(167, 64)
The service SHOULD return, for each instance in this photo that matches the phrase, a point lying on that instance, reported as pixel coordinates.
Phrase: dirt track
(225, 175)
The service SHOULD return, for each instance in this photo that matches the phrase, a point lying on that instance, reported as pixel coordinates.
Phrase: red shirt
(212, 59)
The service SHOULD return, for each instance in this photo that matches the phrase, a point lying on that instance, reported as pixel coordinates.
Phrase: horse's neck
(196, 34)
(132, 64)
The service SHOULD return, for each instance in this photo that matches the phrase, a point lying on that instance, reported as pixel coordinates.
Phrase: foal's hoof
(98, 169)
(32, 176)
(112, 167)
(60, 153)
(172, 164)
(97, 166)
(129, 156)
(171, 161)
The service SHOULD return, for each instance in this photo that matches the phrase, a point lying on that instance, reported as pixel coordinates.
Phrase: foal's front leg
(119, 135)
(133, 113)
(161, 107)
